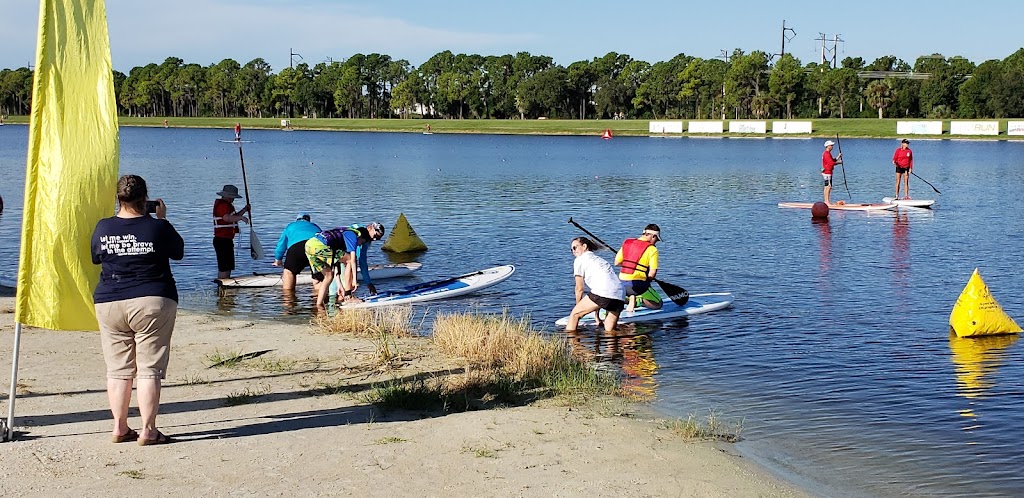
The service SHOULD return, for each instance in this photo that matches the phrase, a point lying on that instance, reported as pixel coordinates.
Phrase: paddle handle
(595, 237)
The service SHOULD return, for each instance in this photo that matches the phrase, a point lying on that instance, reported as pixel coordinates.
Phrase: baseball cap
(905, 141)
(829, 142)
(302, 216)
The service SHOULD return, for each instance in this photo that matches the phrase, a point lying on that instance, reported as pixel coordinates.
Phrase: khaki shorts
(136, 336)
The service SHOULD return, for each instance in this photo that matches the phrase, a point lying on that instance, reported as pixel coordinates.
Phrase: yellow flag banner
(72, 166)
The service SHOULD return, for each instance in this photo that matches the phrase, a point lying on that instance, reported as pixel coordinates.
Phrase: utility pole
(784, 29)
(291, 58)
(835, 50)
(821, 38)
(725, 57)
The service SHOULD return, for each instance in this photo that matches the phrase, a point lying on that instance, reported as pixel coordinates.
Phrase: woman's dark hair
(585, 242)
(132, 192)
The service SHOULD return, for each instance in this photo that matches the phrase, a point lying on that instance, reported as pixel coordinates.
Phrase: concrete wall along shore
(782, 127)
(717, 127)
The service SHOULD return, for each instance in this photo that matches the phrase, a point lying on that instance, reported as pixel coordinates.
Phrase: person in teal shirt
(291, 248)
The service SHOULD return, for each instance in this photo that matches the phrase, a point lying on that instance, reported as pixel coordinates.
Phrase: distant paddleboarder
(828, 163)
(238, 132)
(903, 159)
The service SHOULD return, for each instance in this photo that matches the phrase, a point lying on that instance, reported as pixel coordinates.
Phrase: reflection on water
(901, 252)
(824, 245)
(976, 360)
(630, 349)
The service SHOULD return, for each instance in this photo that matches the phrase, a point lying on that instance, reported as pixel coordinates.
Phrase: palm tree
(879, 95)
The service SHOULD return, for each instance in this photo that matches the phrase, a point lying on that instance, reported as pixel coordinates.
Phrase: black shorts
(295, 259)
(635, 287)
(612, 305)
(901, 171)
(225, 249)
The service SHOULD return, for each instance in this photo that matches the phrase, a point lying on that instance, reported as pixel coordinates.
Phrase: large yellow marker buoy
(403, 238)
(976, 312)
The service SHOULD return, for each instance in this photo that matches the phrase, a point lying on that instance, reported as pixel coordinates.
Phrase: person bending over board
(605, 289)
(375, 231)
(337, 245)
(639, 261)
(290, 252)
(828, 163)
(903, 159)
(225, 226)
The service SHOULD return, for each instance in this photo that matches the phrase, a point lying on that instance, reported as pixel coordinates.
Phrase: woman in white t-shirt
(598, 275)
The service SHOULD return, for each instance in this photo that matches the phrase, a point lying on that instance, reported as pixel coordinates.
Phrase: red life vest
(632, 251)
(223, 229)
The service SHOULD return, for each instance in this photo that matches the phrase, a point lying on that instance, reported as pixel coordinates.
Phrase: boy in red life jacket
(639, 260)
(225, 226)
(903, 159)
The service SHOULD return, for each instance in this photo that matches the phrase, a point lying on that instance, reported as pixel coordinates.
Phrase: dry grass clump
(509, 351)
(712, 427)
(393, 321)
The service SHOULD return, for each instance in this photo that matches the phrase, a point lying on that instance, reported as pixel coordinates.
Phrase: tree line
(525, 86)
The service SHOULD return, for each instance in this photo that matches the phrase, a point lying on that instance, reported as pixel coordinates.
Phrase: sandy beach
(302, 428)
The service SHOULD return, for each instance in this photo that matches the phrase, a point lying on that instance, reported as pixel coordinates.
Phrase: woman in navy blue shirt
(136, 304)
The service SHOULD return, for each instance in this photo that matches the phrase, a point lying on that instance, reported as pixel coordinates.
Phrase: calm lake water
(836, 355)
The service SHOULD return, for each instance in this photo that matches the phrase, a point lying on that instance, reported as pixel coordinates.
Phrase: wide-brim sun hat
(229, 191)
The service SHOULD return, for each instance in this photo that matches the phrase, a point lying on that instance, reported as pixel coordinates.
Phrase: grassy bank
(846, 128)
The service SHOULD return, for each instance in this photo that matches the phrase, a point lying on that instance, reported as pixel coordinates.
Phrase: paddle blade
(676, 293)
(255, 248)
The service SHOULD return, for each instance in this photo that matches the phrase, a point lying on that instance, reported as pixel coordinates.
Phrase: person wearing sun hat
(903, 159)
(639, 261)
(828, 163)
(290, 253)
(225, 226)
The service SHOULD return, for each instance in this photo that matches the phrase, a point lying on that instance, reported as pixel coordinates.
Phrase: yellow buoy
(403, 238)
(976, 312)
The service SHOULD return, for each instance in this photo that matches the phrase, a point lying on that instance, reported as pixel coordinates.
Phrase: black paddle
(255, 248)
(926, 181)
(840, 145)
(676, 293)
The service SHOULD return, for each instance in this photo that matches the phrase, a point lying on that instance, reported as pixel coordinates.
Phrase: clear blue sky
(207, 31)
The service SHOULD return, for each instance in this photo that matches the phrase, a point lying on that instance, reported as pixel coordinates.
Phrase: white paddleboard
(439, 289)
(377, 272)
(852, 206)
(237, 141)
(697, 304)
(916, 203)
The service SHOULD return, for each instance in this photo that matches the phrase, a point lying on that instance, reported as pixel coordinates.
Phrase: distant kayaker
(903, 159)
(597, 286)
(639, 261)
(828, 163)
(290, 252)
(225, 226)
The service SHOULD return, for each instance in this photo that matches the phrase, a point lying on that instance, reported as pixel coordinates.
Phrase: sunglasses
(574, 247)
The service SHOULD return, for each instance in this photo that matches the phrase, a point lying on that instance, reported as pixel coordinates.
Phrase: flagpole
(9, 436)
